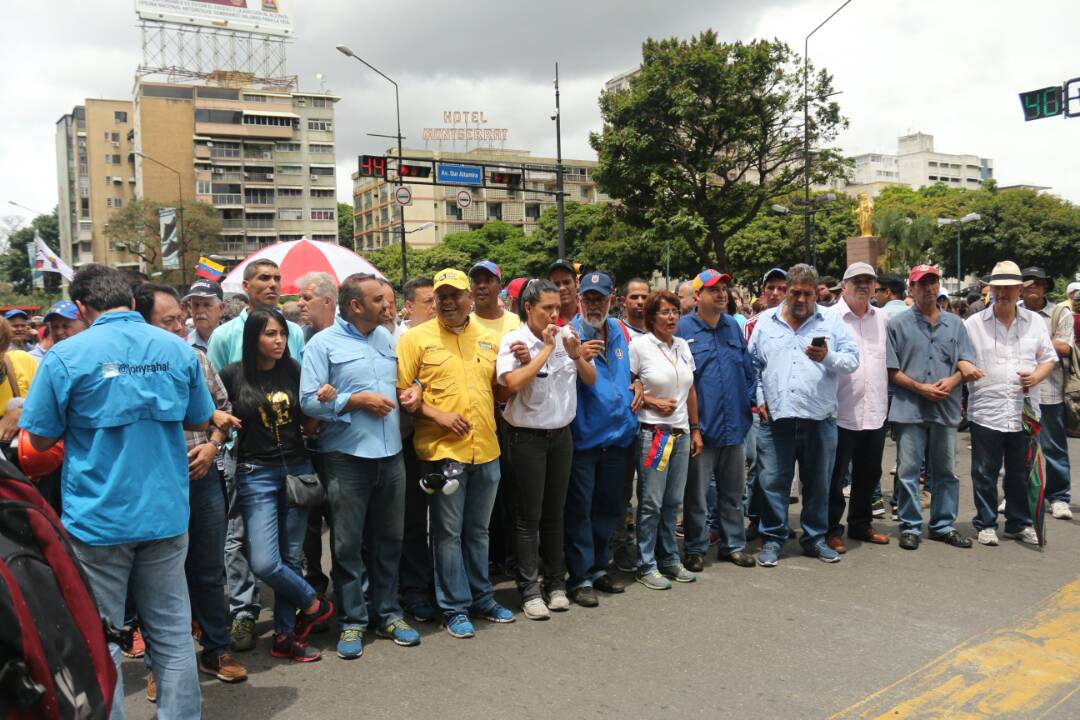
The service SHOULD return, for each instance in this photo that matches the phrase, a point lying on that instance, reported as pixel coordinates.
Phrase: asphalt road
(803, 640)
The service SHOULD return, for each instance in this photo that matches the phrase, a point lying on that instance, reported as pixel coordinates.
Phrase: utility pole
(559, 169)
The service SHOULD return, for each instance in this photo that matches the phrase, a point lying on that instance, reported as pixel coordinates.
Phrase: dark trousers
(862, 449)
(541, 460)
(990, 449)
(416, 575)
(313, 570)
(594, 507)
(501, 530)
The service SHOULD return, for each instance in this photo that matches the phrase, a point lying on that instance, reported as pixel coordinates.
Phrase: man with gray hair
(799, 354)
(318, 302)
(205, 303)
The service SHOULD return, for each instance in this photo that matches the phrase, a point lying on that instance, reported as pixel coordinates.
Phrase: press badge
(110, 370)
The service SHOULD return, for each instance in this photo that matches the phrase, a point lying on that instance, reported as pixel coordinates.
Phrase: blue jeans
(205, 566)
(752, 505)
(367, 501)
(989, 449)
(243, 590)
(659, 495)
(275, 537)
(1054, 443)
(594, 508)
(459, 535)
(155, 572)
(782, 443)
(721, 467)
(935, 445)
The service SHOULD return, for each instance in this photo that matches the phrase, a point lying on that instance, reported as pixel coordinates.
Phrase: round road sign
(403, 195)
(464, 199)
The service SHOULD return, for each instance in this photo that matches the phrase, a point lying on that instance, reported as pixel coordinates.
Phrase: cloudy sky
(952, 69)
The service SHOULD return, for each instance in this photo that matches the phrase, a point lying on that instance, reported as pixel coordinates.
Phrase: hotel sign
(465, 125)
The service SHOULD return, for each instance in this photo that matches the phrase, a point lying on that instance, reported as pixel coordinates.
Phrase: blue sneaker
(822, 552)
(497, 614)
(400, 632)
(422, 611)
(770, 554)
(458, 626)
(351, 644)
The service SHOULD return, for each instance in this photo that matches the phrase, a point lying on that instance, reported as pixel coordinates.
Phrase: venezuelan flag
(209, 269)
(660, 450)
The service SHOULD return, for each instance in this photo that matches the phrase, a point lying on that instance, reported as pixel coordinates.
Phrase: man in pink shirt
(862, 405)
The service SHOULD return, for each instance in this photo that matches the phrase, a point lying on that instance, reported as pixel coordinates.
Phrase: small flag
(1036, 481)
(209, 269)
(660, 450)
(46, 260)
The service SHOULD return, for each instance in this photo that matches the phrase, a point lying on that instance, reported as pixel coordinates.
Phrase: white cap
(1073, 288)
(859, 268)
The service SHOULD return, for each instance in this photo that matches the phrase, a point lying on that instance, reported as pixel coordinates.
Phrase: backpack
(1070, 368)
(54, 655)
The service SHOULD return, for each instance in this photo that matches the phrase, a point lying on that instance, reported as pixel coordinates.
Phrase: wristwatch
(217, 444)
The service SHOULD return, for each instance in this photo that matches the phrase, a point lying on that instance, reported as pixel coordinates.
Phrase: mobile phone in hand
(818, 342)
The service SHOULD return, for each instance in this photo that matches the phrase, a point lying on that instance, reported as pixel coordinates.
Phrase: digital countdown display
(1042, 103)
(373, 166)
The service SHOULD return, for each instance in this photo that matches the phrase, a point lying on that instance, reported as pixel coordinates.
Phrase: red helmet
(36, 464)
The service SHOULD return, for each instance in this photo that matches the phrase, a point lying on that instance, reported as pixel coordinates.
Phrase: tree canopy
(136, 228)
(18, 249)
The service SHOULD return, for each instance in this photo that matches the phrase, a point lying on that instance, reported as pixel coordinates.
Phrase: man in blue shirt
(798, 353)
(262, 284)
(724, 380)
(349, 382)
(603, 429)
(120, 393)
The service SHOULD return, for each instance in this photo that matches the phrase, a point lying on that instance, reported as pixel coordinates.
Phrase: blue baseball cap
(775, 271)
(597, 282)
(488, 266)
(10, 314)
(64, 309)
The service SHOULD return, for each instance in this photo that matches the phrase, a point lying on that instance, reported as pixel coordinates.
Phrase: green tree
(345, 225)
(19, 248)
(707, 135)
(136, 228)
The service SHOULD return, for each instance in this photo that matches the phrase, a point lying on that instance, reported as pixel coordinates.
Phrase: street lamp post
(179, 219)
(806, 126)
(559, 207)
(959, 223)
(344, 50)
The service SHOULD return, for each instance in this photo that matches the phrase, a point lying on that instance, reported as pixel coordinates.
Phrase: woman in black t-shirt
(264, 388)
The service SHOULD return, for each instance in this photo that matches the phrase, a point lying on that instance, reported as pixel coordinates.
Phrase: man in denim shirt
(798, 353)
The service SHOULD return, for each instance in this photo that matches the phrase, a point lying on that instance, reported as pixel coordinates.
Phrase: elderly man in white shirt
(1014, 352)
(862, 400)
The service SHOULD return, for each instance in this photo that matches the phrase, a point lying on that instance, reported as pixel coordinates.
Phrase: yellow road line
(1024, 671)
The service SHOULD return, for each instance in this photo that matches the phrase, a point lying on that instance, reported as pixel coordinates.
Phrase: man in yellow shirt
(453, 360)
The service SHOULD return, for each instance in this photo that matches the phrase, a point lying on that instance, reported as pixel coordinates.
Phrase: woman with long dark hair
(264, 388)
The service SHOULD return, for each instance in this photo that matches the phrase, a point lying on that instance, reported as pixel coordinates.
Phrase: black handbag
(301, 491)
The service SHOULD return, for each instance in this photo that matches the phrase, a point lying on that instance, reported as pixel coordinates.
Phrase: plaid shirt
(217, 392)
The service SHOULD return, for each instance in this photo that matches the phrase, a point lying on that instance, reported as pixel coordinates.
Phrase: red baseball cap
(708, 278)
(920, 271)
(513, 288)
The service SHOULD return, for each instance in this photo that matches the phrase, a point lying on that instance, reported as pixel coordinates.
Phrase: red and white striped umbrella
(297, 257)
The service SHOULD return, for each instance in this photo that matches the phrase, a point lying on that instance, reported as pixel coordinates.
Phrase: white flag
(46, 260)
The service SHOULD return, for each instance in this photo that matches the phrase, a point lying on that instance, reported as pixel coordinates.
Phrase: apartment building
(375, 216)
(94, 179)
(263, 158)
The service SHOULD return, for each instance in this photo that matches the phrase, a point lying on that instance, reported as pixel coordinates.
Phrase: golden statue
(865, 215)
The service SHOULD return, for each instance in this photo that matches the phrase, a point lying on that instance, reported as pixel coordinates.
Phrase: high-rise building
(263, 158)
(95, 179)
(375, 215)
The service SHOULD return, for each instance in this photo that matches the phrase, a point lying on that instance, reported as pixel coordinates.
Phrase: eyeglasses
(670, 312)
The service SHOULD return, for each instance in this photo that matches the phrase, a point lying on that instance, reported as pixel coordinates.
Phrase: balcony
(224, 152)
(227, 199)
(202, 152)
(259, 201)
(229, 223)
(259, 177)
(259, 223)
(228, 177)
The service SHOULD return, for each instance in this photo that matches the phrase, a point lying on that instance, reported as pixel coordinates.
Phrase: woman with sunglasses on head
(264, 388)
(542, 403)
(668, 435)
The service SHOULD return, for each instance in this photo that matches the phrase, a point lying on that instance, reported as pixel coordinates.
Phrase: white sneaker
(1001, 506)
(535, 609)
(1060, 510)
(1026, 536)
(987, 536)
(558, 601)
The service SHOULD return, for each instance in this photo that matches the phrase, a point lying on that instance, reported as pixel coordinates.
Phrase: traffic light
(506, 178)
(415, 171)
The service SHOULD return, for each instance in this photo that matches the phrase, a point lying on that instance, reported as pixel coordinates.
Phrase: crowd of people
(558, 430)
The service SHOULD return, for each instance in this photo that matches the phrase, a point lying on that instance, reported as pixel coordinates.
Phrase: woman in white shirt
(668, 436)
(542, 402)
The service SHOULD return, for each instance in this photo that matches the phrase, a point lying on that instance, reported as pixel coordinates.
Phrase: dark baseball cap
(1037, 273)
(597, 282)
(775, 272)
(487, 266)
(562, 264)
(204, 289)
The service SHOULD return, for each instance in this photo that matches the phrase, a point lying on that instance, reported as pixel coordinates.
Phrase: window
(300, 102)
(288, 147)
(226, 117)
(315, 170)
(318, 102)
(532, 211)
(324, 238)
(320, 125)
(120, 116)
(290, 192)
(106, 136)
(932, 163)
(290, 169)
(202, 187)
(494, 211)
(290, 214)
(108, 202)
(323, 214)
(320, 148)
(216, 93)
(932, 177)
(114, 203)
(453, 212)
(112, 159)
(259, 196)
(322, 193)
(116, 137)
(265, 120)
(255, 98)
(585, 193)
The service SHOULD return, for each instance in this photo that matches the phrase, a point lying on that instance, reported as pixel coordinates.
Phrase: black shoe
(608, 584)
(739, 558)
(953, 538)
(694, 563)
(910, 541)
(626, 559)
(584, 596)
